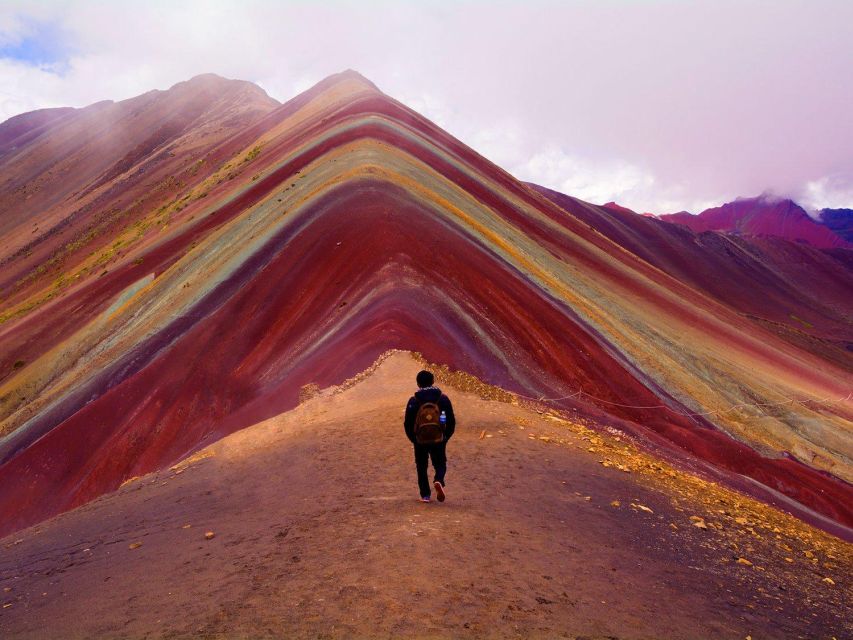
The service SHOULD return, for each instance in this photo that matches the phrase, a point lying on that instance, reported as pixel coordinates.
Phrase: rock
(308, 391)
(134, 545)
(641, 507)
(744, 562)
(741, 520)
(209, 535)
(615, 503)
(828, 581)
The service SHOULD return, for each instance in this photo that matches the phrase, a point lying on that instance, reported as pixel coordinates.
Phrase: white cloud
(658, 105)
(593, 181)
(828, 192)
(26, 87)
(429, 105)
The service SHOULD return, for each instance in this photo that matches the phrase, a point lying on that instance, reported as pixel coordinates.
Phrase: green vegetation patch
(254, 153)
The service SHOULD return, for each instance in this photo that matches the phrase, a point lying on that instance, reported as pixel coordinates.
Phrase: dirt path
(318, 533)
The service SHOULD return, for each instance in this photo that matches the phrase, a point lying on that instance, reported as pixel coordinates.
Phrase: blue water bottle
(442, 418)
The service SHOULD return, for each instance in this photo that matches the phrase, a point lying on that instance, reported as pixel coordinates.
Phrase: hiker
(429, 424)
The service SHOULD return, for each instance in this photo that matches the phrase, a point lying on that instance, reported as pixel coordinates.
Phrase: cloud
(19, 79)
(659, 105)
(35, 43)
(597, 182)
(601, 181)
(828, 192)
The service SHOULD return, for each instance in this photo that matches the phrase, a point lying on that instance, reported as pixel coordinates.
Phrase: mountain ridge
(268, 235)
(762, 216)
(274, 531)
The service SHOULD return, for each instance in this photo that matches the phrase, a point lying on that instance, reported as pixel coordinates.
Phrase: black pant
(423, 452)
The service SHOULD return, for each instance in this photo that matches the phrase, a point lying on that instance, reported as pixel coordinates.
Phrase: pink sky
(658, 105)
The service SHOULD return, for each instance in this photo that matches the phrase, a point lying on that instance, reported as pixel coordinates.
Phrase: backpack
(428, 429)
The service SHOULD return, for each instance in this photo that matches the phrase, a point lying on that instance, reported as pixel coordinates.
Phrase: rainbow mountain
(178, 266)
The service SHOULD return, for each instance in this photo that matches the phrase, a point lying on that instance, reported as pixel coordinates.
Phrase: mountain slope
(769, 280)
(309, 541)
(21, 129)
(342, 224)
(761, 217)
(90, 177)
(840, 221)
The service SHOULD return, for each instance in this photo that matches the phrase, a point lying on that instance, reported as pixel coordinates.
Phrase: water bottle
(442, 418)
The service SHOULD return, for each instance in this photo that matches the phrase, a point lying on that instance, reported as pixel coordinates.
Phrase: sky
(659, 105)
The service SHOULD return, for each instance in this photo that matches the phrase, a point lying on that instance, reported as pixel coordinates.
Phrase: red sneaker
(439, 491)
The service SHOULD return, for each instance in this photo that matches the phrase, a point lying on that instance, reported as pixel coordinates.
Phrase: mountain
(761, 216)
(767, 280)
(20, 129)
(182, 264)
(307, 525)
(66, 170)
(840, 221)
(614, 206)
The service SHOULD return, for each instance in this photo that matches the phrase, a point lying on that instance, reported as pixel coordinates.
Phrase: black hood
(428, 394)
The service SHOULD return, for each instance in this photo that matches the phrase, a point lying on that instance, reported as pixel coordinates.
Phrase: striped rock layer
(186, 281)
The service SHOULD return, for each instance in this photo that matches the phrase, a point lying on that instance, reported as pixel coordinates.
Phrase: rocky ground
(308, 525)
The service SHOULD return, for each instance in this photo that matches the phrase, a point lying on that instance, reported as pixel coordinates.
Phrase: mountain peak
(615, 206)
(345, 82)
(212, 83)
(351, 75)
(207, 78)
(762, 215)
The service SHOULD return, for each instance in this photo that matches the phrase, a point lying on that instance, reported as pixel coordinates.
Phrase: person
(429, 424)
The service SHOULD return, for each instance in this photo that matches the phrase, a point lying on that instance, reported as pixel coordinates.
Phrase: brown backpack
(428, 428)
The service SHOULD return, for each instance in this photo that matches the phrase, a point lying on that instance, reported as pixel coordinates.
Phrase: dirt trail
(318, 533)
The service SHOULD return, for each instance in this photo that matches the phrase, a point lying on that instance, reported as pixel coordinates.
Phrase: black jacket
(429, 394)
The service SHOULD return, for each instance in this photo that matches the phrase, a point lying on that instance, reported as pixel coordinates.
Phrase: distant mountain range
(840, 221)
(763, 216)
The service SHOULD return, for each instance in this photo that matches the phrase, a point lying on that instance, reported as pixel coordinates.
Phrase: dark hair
(425, 379)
